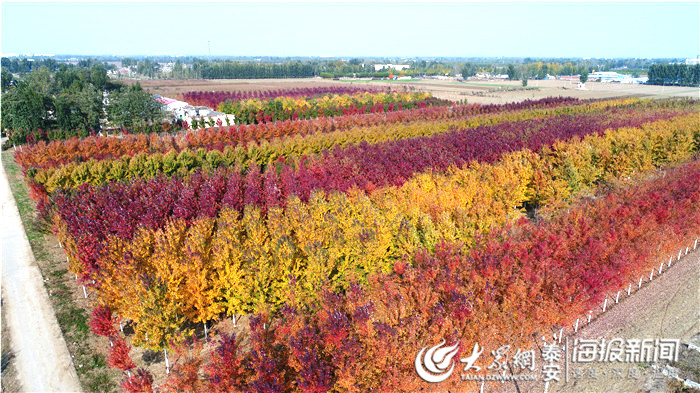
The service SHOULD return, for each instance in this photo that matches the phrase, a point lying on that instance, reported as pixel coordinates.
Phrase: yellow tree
(162, 320)
(284, 255)
(259, 271)
(230, 282)
(199, 285)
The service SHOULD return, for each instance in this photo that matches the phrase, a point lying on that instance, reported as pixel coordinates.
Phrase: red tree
(140, 382)
(225, 371)
(102, 322)
(119, 355)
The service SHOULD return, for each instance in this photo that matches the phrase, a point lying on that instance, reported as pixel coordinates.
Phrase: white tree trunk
(167, 365)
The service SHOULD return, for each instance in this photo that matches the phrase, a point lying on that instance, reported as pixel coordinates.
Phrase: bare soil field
(500, 92)
(175, 87)
(483, 92)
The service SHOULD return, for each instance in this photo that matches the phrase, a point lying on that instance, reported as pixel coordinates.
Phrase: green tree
(128, 62)
(7, 79)
(42, 81)
(584, 76)
(468, 69)
(133, 106)
(98, 77)
(147, 67)
(524, 75)
(79, 110)
(512, 72)
(178, 70)
(24, 109)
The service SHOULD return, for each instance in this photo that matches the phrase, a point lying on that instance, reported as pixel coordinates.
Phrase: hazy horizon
(376, 30)
(292, 57)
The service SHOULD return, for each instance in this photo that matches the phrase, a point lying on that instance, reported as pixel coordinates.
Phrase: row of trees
(199, 68)
(57, 153)
(236, 70)
(674, 74)
(71, 100)
(185, 280)
(268, 154)
(355, 67)
(537, 70)
(23, 65)
(283, 68)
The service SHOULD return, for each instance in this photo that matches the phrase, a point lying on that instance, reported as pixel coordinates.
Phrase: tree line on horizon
(674, 74)
(269, 67)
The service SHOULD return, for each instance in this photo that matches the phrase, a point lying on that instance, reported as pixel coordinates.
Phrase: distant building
(640, 80)
(488, 76)
(170, 104)
(694, 61)
(607, 76)
(166, 68)
(397, 67)
(181, 110)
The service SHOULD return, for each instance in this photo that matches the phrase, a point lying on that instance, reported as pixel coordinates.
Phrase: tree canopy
(67, 101)
(132, 106)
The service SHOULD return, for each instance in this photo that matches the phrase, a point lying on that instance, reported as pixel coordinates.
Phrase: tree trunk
(167, 365)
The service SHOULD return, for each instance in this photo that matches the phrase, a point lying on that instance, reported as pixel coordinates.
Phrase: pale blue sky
(360, 29)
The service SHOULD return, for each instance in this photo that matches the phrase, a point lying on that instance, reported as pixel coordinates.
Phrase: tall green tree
(512, 72)
(468, 69)
(133, 106)
(79, 110)
(7, 79)
(27, 108)
(584, 76)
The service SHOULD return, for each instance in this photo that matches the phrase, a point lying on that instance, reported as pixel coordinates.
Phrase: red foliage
(514, 284)
(214, 98)
(118, 208)
(102, 322)
(268, 360)
(140, 382)
(184, 376)
(56, 153)
(119, 355)
(225, 370)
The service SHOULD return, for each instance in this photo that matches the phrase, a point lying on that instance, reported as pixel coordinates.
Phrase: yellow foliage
(227, 262)
(268, 151)
(250, 262)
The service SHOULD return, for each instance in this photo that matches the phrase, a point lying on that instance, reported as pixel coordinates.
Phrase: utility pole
(209, 45)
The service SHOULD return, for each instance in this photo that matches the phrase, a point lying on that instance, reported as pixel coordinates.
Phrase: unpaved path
(666, 307)
(41, 357)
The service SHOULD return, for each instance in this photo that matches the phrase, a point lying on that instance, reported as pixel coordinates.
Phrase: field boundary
(69, 308)
(42, 358)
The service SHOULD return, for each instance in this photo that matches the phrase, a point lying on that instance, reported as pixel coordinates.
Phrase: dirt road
(666, 307)
(41, 357)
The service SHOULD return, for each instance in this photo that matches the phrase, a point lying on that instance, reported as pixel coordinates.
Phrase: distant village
(183, 111)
